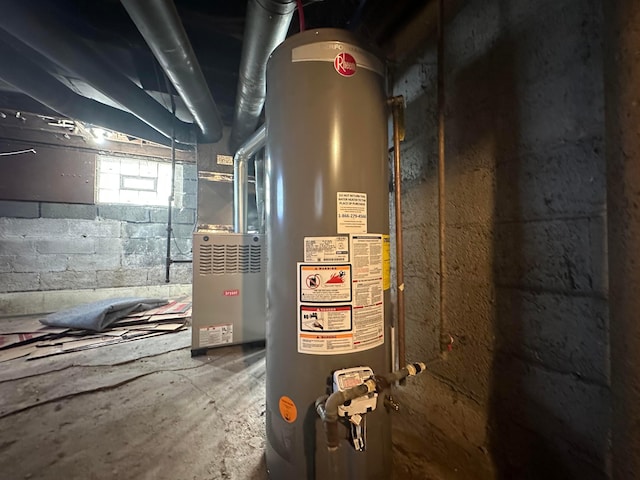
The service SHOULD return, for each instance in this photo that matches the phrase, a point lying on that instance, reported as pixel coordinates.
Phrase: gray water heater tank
(327, 226)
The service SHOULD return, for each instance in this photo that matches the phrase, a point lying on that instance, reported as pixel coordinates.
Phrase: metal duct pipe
(32, 80)
(48, 36)
(241, 178)
(266, 27)
(160, 25)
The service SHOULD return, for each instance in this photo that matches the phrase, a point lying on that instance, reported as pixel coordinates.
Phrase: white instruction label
(352, 212)
(326, 249)
(216, 335)
(366, 253)
(324, 283)
(224, 159)
(368, 291)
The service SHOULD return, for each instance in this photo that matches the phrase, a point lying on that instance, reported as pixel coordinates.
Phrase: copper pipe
(444, 344)
(396, 104)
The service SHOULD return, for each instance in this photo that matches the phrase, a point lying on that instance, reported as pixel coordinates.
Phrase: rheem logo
(345, 64)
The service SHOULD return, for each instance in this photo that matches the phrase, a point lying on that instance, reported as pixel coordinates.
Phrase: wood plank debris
(33, 341)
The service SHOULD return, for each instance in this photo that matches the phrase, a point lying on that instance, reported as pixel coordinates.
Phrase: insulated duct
(160, 25)
(241, 178)
(267, 23)
(47, 35)
(32, 80)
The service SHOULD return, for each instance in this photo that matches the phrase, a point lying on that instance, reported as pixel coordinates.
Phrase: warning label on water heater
(324, 283)
(341, 306)
(352, 212)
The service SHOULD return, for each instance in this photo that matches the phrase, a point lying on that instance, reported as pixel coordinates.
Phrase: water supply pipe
(445, 339)
(241, 178)
(327, 405)
(397, 104)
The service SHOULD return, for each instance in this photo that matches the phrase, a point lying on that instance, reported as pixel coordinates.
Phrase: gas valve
(354, 411)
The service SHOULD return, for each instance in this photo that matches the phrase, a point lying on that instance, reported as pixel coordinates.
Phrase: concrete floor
(139, 410)
(144, 410)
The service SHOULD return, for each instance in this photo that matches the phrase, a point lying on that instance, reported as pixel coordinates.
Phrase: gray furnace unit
(228, 272)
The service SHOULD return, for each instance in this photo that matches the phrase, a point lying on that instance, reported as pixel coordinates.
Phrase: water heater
(327, 251)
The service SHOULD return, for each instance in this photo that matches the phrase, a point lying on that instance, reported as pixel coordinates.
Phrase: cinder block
(470, 196)
(419, 206)
(179, 274)
(19, 282)
(420, 251)
(190, 185)
(13, 209)
(6, 263)
(17, 246)
(469, 252)
(145, 246)
(189, 172)
(109, 245)
(183, 231)
(567, 179)
(66, 245)
(122, 277)
(33, 227)
(67, 210)
(547, 254)
(40, 263)
(79, 263)
(68, 280)
(158, 215)
(190, 200)
(181, 247)
(565, 333)
(184, 215)
(94, 229)
(127, 213)
(555, 405)
(138, 260)
(147, 230)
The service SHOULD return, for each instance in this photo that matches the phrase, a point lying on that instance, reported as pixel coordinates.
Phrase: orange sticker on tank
(288, 409)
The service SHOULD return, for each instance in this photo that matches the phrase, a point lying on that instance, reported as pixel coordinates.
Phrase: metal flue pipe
(49, 36)
(35, 82)
(160, 25)
(266, 27)
(241, 178)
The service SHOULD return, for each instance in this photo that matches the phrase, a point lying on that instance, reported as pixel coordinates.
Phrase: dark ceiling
(214, 27)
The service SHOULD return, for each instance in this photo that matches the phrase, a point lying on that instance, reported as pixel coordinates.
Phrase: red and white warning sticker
(324, 283)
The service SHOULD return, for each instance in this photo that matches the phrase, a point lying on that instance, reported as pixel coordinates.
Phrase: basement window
(136, 182)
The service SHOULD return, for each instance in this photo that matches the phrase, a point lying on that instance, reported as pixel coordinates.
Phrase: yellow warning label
(288, 409)
(386, 262)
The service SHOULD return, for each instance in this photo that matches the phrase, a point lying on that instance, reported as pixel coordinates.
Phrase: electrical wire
(18, 152)
(301, 15)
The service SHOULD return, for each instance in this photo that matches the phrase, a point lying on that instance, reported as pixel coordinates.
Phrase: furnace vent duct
(50, 37)
(267, 23)
(241, 178)
(160, 25)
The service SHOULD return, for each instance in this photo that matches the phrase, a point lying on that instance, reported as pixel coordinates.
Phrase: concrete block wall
(525, 392)
(50, 246)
